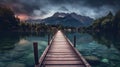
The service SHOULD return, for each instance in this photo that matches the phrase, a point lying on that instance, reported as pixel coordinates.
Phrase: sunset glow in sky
(23, 17)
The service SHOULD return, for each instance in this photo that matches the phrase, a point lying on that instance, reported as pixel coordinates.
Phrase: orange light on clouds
(22, 17)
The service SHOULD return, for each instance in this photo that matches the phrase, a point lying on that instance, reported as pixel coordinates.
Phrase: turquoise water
(98, 52)
(22, 53)
(16, 50)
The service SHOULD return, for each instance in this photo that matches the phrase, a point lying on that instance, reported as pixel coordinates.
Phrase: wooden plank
(63, 62)
(62, 59)
(60, 47)
(68, 53)
(62, 56)
(60, 50)
(63, 47)
(64, 66)
(64, 43)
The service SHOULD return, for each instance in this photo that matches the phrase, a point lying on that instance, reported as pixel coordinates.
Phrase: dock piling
(48, 39)
(74, 41)
(35, 46)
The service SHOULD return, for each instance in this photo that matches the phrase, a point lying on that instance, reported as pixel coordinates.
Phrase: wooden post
(74, 41)
(35, 45)
(48, 39)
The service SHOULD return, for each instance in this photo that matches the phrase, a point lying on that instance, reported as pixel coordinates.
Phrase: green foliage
(117, 21)
(109, 23)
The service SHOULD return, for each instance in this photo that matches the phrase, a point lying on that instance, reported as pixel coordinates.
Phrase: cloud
(21, 6)
(63, 8)
(45, 8)
(99, 3)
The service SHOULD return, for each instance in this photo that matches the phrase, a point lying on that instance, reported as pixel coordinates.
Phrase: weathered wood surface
(61, 53)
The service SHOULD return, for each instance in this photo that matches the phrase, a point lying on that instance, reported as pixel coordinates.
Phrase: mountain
(68, 19)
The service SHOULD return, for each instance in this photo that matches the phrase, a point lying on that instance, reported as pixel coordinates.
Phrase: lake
(16, 49)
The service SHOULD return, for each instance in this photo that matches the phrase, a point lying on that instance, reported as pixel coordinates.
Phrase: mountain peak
(64, 14)
(58, 14)
(73, 13)
(110, 14)
(68, 19)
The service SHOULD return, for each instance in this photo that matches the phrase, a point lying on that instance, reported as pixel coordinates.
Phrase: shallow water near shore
(16, 50)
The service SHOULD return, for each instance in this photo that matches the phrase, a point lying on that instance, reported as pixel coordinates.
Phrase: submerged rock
(105, 60)
(92, 60)
(16, 65)
(23, 42)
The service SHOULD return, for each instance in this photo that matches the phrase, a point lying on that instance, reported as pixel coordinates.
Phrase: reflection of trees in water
(8, 40)
(107, 38)
(27, 34)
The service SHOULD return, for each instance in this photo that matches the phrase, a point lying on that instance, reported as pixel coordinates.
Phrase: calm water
(16, 50)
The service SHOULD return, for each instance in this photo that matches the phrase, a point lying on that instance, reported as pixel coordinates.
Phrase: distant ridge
(66, 19)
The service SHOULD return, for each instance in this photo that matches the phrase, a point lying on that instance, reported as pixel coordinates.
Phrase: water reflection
(100, 50)
(16, 49)
(7, 40)
(107, 39)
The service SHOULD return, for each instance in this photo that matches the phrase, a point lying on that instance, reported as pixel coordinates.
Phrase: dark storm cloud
(57, 2)
(22, 6)
(92, 8)
(99, 3)
(92, 3)
(96, 4)
(63, 8)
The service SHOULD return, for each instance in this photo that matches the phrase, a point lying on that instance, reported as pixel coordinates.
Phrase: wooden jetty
(60, 53)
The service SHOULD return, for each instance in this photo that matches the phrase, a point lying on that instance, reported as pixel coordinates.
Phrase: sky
(39, 9)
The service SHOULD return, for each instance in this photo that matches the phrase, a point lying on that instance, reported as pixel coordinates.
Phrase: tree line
(8, 21)
(108, 23)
